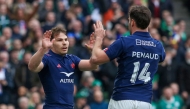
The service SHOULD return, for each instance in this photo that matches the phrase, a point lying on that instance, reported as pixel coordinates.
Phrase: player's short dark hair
(56, 31)
(141, 15)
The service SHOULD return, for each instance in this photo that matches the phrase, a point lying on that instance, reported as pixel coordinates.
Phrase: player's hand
(99, 30)
(90, 43)
(46, 43)
(3, 82)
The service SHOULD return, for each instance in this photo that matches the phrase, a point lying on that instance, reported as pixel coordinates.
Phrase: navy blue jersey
(57, 78)
(138, 56)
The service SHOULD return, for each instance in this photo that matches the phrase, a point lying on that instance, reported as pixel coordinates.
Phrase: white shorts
(129, 104)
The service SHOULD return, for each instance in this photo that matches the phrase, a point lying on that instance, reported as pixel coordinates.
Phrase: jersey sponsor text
(145, 43)
(67, 81)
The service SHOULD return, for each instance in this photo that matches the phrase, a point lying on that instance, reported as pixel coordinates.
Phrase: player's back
(138, 62)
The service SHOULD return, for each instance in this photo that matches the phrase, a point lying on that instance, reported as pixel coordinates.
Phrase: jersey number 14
(143, 76)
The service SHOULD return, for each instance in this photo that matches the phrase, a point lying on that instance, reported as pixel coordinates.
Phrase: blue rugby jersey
(57, 78)
(138, 56)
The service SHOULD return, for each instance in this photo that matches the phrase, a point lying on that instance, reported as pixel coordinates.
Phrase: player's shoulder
(157, 42)
(126, 39)
(47, 56)
(130, 40)
(159, 45)
(71, 56)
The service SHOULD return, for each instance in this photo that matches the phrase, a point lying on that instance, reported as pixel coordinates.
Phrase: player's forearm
(91, 67)
(86, 65)
(94, 66)
(96, 50)
(36, 59)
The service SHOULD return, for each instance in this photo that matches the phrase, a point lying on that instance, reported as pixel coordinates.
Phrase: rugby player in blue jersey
(56, 69)
(138, 56)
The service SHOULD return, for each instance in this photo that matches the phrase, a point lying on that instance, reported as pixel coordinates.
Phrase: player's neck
(54, 51)
(140, 30)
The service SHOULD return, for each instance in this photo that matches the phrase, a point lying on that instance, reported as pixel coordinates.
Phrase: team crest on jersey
(73, 65)
(105, 49)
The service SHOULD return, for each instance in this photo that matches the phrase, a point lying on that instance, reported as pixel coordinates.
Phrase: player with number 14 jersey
(139, 55)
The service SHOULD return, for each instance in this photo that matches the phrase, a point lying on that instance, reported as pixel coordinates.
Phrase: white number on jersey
(143, 76)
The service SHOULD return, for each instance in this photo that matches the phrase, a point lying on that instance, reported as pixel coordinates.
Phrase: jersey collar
(143, 34)
(56, 55)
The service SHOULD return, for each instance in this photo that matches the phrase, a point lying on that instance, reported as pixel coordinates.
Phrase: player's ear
(133, 23)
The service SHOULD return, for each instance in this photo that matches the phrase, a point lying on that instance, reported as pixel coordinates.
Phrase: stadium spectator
(24, 77)
(99, 102)
(168, 100)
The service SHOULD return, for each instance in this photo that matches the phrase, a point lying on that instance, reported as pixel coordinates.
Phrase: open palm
(91, 42)
(46, 43)
(99, 30)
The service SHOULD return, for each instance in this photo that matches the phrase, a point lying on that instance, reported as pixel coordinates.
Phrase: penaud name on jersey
(138, 56)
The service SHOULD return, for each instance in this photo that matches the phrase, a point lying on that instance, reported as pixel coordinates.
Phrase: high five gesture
(46, 43)
(98, 55)
(99, 30)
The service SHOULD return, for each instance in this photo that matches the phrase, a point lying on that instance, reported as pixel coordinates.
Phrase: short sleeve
(45, 60)
(114, 50)
(76, 60)
(163, 54)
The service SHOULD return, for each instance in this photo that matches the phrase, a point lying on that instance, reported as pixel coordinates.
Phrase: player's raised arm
(35, 63)
(98, 55)
(87, 64)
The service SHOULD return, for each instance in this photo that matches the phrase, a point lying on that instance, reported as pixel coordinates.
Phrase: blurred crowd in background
(23, 22)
